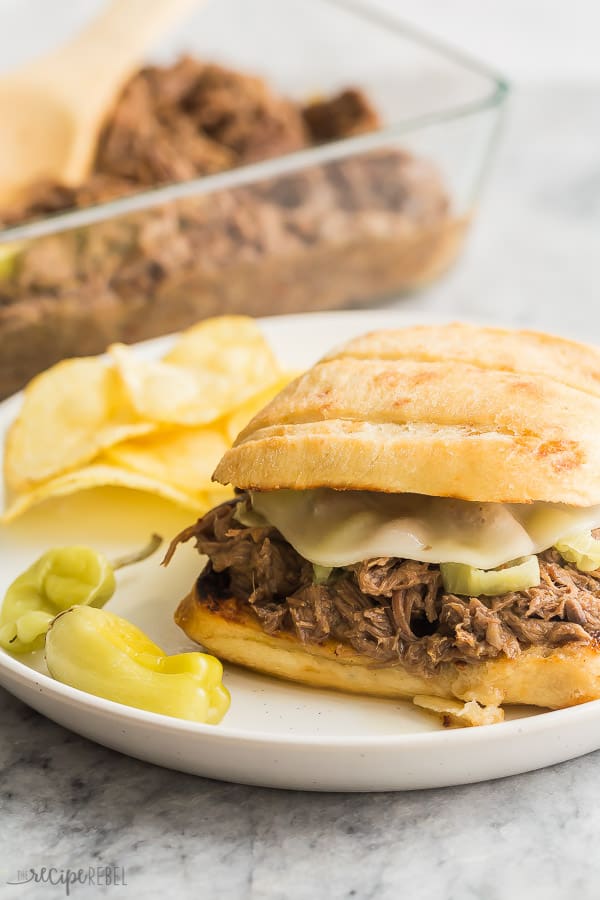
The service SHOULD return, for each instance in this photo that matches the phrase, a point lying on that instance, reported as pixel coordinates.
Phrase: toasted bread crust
(548, 678)
(455, 410)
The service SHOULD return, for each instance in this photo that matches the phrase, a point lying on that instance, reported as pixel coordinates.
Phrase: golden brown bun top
(447, 410)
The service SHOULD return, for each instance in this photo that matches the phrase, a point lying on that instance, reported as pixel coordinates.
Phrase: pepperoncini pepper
(59, 579)
(100, 653)
(582, 549)
(459, 578)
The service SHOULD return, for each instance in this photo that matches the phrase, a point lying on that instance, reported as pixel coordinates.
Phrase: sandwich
(414, 517)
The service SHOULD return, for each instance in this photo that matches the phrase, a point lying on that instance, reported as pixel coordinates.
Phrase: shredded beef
(261, 566)
(391, 610)
(347, 114)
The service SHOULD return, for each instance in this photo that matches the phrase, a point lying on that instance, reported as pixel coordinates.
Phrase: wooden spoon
(52, 109)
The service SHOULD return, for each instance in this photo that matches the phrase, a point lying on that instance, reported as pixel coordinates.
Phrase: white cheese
(337, 528)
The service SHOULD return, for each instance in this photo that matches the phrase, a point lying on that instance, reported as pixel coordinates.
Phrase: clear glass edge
(292, 162)
(391, 22)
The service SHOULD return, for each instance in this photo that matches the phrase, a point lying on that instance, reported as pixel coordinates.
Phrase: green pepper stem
(150, 548)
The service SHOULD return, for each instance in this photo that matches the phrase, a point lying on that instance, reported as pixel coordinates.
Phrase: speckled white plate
(275, 734)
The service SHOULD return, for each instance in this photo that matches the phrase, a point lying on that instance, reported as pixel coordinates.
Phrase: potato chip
(172, 395)
(69, 414)
(102, 474)
(158, 392)
(160, 427)
(239, 418)
(217, 494)
(184, 458)
(214, 367)
(229, 345)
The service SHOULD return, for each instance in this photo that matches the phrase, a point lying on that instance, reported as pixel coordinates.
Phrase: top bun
(447, 410)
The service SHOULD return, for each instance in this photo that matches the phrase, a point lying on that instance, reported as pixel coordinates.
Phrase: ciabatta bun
(450, 411)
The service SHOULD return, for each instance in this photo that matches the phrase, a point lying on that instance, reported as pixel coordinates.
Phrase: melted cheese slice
(338, 528)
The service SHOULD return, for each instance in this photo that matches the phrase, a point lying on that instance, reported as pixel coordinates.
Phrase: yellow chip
(161, 393)
(184, 458)
(218, 493)
(103, 474)
(226, 344)
(239, 418)
(85, 423)
(69, 414)
(213, 368)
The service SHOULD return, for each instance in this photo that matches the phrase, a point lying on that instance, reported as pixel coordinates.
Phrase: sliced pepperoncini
(321, 573)
(57, 580)
(582, 549)
(9, 254)
(459, 578)
(101, 653)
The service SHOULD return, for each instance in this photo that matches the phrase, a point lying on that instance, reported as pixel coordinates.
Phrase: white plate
(274, 734)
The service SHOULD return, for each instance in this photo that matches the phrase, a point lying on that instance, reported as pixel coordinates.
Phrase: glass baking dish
(345, 223)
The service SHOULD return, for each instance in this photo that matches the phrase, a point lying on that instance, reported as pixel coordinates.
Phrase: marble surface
(534, 259)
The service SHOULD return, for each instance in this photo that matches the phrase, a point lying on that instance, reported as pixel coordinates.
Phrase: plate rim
(536, 723)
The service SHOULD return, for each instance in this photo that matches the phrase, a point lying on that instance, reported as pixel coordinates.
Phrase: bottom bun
(552, 678)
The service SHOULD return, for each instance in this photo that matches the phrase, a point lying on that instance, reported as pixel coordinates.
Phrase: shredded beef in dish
(194, 118)
(392, 610)
(325, 236)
